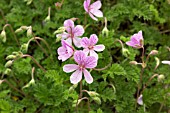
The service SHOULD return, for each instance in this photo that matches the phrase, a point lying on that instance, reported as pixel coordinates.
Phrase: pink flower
(90, 46)
(65, 51)
(73, 33)
(83, 62)
(93, 9)
(136, 40)
(166, 62)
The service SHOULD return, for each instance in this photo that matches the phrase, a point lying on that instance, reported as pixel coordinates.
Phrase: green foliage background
(117, 85)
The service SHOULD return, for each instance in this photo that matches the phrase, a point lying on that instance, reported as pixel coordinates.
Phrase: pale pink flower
(140, 100)
(83, 62)
(136, 40)
(166, 62)
(65, 51)
(93, 9)
(90, 46)
(73, 33)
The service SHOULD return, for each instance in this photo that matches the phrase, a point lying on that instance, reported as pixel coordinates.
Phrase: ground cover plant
(96, 56)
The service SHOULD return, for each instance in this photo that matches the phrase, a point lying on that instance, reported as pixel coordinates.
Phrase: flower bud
(157, 63)
(144, 65)
(29, 2)
(8, 71)
(3, 36)
(59, 30)
(92, 93)
(105, 32)
(133, 63)
(8, 64)
(10, 57)
(153, 52)
(125, 52)
(161, 78)
(29, 32)
(76, 102)
(140, 100)
(97, 100)
(58, 39)
(24, 48)
(18, 30)
(71, 89)
(47, 19)
(32, 82)
(1, 81)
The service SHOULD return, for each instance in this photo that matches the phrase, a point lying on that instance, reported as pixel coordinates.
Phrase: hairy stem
(12, 86)
(2, 14)
(80, 96)
(26, 55)
(40, 45)
(141, 74)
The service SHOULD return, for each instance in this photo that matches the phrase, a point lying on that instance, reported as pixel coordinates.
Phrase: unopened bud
(157, 63)
(10, 57)
(47, 19)
(125, 52)
(153, 52)
(133, 63)
(8, 64)
(58, 39)
(92, 93)
(29, 2)
(8, 71)
(1, 81)
(140, 100)
(105, 32)
(24, 48)
(144, 65)
(18, 30)
(60, 30)
(3, 36)
(74, 19)
(29, 32)
(72, 88)
(161, 78)
(97, 100)
(32, 82)
(75, 102)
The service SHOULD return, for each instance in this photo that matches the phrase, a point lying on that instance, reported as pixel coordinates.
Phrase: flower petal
(90, 62)
(79, 57)
(130, 43)
(96, 5)
(69, 41)
(69, 24)
(166, 62)
(93, 53)
(70, 68)
(86, 5)
(97, 13)
(99, 47)
(76, 77)
(77, 42)
(93, 39)
(86, 51)
(87, 76)
(78, 30)
(85, 42)
(94, 18)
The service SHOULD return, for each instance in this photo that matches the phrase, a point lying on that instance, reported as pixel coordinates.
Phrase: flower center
(81, 66)
(90, 47)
